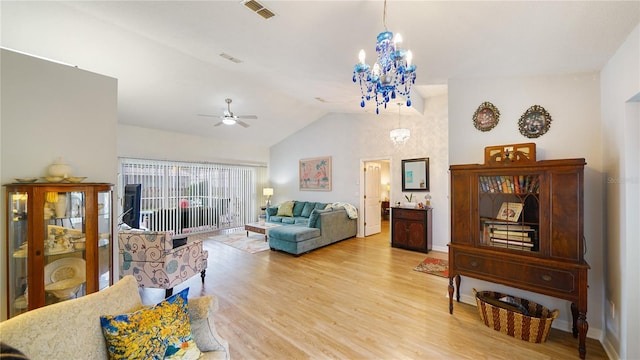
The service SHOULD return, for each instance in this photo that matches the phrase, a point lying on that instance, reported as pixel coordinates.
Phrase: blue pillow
(297, 207)
(315, 216)
(321, 206)
(272, 210)
(308, 207)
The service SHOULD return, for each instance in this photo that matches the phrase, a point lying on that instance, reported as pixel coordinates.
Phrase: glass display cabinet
(58, 241)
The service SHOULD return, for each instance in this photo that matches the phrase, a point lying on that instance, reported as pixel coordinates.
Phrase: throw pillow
(285, 209)
(308, 207)
(315, 215)
(160, 331)
(298, 206)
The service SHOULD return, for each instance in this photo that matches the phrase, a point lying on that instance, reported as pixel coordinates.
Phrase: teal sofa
(310, 226)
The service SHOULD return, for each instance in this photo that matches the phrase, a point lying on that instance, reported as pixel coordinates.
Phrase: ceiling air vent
(230, 58)
(259, 9)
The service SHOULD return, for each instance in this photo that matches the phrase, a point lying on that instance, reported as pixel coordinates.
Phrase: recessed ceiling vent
(230, 58)
(259, 9)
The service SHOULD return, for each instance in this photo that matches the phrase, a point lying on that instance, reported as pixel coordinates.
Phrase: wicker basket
(533, 327)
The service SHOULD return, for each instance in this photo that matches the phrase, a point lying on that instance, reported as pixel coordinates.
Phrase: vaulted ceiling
(297, 66)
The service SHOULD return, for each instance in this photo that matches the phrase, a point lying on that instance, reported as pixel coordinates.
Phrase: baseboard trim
(610, 349)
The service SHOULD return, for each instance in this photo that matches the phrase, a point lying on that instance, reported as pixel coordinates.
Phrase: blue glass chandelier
(393, 73)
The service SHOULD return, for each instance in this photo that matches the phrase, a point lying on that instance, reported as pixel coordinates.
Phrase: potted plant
(410, 203)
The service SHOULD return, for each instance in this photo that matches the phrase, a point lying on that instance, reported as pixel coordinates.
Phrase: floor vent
(259, 9)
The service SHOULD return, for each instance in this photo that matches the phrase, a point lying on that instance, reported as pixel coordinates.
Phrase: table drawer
(516, 272)
(409, 214)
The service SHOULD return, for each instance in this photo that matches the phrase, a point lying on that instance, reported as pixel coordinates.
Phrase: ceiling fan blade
(207, 115)
(218, 124)
(247, 117)
(242, 123)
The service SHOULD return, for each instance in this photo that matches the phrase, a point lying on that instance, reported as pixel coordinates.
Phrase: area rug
(434, 266)
(253, 243)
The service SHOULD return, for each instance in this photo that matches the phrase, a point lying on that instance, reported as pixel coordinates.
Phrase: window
(186, 197)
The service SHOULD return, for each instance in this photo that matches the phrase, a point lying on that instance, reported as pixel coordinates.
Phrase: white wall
(145, 143)
(573, 102)
(51, 110)
(620, 93)
(350, 138)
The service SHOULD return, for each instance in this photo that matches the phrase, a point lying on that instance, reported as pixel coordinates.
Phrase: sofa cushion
(308, 207)
(315, 215)
(271, 210)
(288, 220)
(298, 206)
(299, 220)
(321, 206)
(294, 233)
(160, 331)
(285, 209)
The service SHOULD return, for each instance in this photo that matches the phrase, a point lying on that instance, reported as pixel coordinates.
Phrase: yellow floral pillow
(286, 208)
(160, 331)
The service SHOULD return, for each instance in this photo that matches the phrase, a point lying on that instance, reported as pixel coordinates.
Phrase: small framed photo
(509, 211)
(535, 122)
(486, 116)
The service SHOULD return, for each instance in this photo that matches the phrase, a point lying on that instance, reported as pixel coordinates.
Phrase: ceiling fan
(229, 118)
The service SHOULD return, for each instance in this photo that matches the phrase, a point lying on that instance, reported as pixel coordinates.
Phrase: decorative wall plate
(486, 116)
(535, 122)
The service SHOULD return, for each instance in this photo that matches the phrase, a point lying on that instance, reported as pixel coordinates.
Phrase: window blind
(186, 197)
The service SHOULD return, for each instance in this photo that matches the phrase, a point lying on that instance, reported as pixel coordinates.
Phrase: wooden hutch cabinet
(411, 229)
(519, 222)
(58, 242)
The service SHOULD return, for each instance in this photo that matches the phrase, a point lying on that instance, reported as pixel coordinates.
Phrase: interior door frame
(360, 232)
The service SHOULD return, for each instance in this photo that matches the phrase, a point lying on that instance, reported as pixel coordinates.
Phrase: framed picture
(415, 174)
(315, 174)
(509, 211)
(486, 116)
(535, 122)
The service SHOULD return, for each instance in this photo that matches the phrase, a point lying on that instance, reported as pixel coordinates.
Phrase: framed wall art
(415, 174)
(535, 122)
(315, 174)
(486, 116)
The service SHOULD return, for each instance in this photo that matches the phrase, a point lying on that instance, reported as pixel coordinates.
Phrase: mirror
(415, 174)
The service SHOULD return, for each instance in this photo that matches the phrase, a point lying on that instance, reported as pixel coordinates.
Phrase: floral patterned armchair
(153, 259)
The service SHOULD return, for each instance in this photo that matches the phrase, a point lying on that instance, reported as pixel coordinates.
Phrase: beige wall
(144, 143)
(50, 110)
(573, 102)
(352, 138)
(620, 94)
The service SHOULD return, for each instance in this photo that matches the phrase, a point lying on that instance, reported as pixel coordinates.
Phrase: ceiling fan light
(229, 121)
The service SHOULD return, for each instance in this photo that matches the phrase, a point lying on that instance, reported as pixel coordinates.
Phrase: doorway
(375, 178)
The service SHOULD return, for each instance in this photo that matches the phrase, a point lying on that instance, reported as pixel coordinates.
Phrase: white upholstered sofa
(71, 329)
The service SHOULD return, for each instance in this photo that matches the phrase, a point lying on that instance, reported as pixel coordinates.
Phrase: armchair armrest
(203, 328)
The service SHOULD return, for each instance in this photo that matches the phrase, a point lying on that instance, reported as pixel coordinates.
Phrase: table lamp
(268, 192)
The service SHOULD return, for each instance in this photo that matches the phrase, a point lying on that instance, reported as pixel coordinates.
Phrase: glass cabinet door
(65, 262)
(17, 250)
(104, 237)
(508, 207)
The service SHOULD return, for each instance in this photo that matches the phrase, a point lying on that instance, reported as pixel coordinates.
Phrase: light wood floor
(357, 299)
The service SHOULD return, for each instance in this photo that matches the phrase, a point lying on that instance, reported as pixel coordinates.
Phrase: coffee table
(260, 228)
